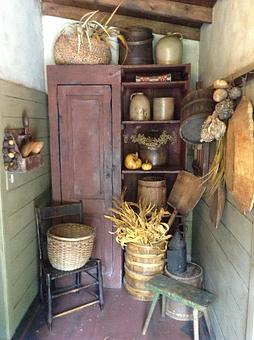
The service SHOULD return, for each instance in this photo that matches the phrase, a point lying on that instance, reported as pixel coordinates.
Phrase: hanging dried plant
(216, 175)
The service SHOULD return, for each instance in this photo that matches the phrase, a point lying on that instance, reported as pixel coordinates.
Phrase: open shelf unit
(177, 88)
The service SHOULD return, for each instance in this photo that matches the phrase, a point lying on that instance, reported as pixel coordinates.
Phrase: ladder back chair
(45, 217)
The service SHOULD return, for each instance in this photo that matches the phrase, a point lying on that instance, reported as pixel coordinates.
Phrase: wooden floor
(121, 319)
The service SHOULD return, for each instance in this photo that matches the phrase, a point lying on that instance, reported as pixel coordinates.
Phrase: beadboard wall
(18, 194)
(227, 253)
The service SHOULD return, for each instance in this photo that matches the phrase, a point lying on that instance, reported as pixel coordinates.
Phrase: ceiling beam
(159, 10)
(121, 21)
(205, 3)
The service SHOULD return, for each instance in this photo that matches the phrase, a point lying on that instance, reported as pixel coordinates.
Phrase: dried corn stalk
(138, 223)
(216, 175)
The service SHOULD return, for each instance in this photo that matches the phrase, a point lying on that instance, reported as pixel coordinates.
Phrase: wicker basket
(70, 245)
(66, 51)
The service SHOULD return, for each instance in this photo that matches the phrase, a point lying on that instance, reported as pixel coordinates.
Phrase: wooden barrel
(153, 190)
(193, 277)
(142, 262)
(196, 107)
(140, 49)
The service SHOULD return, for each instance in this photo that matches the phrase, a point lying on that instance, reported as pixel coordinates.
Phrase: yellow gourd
(147, 166)
(132, 162)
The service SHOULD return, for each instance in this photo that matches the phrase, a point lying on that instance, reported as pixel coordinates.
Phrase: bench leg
(150, 313)
(163, 306)
(195, 324)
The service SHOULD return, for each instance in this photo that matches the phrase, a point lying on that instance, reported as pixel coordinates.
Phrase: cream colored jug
(169, 49)
(139, 107)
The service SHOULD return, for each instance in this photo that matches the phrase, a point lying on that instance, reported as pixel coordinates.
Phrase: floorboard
(121, 319)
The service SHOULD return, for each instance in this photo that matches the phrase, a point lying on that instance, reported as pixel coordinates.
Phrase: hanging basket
(66, 50)
(70, 245)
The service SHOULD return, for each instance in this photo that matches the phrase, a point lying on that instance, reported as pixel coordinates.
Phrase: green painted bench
(190, 296)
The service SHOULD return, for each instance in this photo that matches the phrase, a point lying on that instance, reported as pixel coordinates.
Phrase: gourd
(147, 166)
(32, 148)
(132, 161)
(220, 84)
(219, 95)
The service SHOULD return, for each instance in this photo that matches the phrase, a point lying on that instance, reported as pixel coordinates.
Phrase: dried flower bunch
(138, 223)
(154, 142)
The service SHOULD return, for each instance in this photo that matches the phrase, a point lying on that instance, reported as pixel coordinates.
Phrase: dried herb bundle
(138, 223)
(153, 142)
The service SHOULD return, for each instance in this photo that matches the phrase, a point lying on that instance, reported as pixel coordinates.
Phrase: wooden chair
(48, 275)
(190, 296)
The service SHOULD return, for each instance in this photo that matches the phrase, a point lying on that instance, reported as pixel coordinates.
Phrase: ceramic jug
(139, 107)
(169, 49)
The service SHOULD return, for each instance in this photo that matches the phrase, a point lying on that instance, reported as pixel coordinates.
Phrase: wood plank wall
(225, 254)
(18, 249)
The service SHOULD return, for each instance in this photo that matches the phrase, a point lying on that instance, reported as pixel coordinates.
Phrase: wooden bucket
(193, 277)
(140, 48)
(153, 190)
(196, 107)
(142, 262)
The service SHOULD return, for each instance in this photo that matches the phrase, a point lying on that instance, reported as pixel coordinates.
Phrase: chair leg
(78, 280)
(41, 278)
(150, 313)
(195, 324)
(49, 302)
(163, 306)
(100, 283)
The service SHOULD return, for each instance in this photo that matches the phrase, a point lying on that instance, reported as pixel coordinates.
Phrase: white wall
(227, 44)
(21, 58)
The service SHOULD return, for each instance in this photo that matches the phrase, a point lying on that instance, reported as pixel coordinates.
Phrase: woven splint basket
(66, 51)
(70, 245)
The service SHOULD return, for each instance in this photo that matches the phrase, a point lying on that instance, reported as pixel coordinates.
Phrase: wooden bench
(190, 296)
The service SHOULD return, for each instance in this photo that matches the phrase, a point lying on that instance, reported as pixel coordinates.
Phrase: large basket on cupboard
(66, 50)
(70, 245)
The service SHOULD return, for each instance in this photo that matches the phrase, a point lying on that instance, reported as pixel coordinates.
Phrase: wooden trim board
(121, 21)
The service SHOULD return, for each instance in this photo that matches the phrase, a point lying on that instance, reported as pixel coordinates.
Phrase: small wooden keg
(193, 276)
(140, 49)
(153, 190)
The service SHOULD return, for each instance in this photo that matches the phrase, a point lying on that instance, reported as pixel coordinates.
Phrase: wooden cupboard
(89, 116)
(84, 107)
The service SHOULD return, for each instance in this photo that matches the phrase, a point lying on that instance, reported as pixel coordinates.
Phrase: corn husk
(138, 223)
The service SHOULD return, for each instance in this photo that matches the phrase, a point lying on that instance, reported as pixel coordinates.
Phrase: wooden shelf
(155, 85)
(156, 67)
(131, 122)
(155, 170)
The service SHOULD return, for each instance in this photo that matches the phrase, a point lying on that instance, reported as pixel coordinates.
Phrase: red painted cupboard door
(86, 160)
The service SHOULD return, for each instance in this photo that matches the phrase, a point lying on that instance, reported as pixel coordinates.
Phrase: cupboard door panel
(86, 159)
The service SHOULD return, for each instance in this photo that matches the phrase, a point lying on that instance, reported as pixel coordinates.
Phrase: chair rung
(74, 290)
(76, 308)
